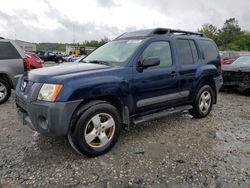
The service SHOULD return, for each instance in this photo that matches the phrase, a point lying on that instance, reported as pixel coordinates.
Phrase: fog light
(43, 122)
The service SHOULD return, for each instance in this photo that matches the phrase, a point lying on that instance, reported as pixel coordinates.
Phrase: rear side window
(159, 50)
(187, 51)
(209, 49)
(8, 51)
(194, 50)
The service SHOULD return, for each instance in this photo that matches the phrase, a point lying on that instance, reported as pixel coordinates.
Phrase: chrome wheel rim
(3, 91)
(99, 130)
(205, 101)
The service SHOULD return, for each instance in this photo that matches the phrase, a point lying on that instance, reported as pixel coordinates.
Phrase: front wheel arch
(82, 116)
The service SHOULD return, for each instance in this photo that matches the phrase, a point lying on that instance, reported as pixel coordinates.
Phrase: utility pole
(74, 34)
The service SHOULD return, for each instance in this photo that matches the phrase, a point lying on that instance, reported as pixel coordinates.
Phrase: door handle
(173, 74)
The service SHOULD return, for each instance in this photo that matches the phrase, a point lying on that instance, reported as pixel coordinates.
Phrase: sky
(79, 20)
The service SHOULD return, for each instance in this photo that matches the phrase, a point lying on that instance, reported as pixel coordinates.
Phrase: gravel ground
(176, 151)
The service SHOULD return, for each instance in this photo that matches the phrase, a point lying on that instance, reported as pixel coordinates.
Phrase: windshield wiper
(100, 62)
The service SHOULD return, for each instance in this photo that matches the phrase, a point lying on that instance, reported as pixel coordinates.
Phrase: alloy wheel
(3, 91)
(205, 101)
(99, 130)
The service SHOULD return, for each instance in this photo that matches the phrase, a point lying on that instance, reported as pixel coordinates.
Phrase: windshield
(243, 60)
(114, 53)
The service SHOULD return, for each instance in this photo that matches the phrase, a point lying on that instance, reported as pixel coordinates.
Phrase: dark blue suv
(139, 76)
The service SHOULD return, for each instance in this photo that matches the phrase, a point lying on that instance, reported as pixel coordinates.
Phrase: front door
(158, 86)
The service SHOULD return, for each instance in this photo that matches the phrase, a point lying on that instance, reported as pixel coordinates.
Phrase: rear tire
(96, 130)
(203, 102)
(5, 91)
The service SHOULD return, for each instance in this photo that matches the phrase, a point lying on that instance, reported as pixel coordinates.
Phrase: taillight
(26, 64)
(221, 64)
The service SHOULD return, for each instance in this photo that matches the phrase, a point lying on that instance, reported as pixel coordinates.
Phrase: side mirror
(150, 62)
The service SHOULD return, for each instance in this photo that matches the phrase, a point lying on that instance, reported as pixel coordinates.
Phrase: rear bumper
(218, 83)
(46, 117)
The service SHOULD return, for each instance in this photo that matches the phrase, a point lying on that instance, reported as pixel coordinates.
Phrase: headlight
(49, 92)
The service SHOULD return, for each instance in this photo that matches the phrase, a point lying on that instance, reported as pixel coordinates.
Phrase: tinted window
(194, 50)
(184, 52)
(7, 51)
(159, 50)
(209, 49)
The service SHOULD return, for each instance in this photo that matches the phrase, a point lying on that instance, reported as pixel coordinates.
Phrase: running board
(160, 114)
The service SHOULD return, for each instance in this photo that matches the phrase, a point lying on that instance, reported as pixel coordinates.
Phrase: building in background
(26, 46)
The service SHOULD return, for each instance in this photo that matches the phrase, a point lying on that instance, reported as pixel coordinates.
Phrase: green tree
(241, 44)
(210, 31)
(230, 32)
(96, 43)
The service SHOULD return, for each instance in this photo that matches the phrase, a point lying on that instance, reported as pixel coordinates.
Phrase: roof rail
(161, 31)
(157, 31)
(1, 38)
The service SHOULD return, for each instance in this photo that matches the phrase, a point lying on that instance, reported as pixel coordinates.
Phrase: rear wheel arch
(6, 78)
(210, 82)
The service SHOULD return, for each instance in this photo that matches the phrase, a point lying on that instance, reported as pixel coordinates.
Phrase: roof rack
(161, 31)
(1, 38)
(157, 31)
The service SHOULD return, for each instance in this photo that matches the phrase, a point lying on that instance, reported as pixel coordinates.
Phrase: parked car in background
(137, 77)
(73, 58)
(50, 56)
(68, 58)
(34, 61)
(77, 58)
(229, 56)
(13, 63)
(237, 74)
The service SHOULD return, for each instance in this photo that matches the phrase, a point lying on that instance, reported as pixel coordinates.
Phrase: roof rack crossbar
(185, 32)
(173, 31)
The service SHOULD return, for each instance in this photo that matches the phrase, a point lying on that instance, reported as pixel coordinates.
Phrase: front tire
(5, 91)
(203, 102)
(96, 130)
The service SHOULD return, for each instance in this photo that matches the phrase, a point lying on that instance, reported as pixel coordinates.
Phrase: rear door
(11, 62)
(189, 59)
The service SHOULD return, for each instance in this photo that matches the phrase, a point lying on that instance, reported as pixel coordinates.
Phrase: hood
(235, 67)
(63, 71)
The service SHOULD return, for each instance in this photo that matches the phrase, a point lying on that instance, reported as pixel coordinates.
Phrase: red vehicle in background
(228, 57)
(34, 61)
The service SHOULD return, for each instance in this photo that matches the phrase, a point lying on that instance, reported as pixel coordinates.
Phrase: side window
(233, 56)
(209, 49)
(194, 50)
(226, 55)
(7, 51)
(184, 52)
(159, 50)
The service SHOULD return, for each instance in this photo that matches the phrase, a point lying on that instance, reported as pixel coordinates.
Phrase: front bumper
(241, 86)
(46, 117)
